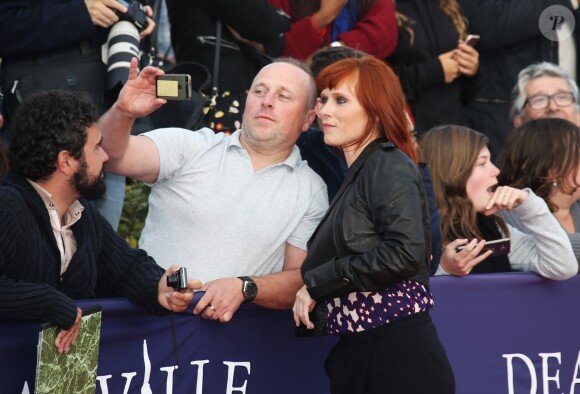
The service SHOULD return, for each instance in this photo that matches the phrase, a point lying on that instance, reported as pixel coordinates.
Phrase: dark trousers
(404, 357)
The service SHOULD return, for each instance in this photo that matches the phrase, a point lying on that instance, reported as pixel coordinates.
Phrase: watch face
(250, 290)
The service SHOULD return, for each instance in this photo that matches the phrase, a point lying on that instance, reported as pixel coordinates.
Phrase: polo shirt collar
(292, 161)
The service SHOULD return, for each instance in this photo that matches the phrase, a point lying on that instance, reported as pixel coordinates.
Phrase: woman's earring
(554, 184)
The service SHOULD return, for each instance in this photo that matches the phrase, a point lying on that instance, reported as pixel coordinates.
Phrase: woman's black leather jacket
(376, 231)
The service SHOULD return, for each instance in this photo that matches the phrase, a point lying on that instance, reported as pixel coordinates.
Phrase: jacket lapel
(351, 176)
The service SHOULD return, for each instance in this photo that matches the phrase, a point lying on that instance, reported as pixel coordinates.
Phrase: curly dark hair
(45, 125)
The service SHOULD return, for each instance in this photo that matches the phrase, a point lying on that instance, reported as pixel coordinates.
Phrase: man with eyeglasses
(544, 90)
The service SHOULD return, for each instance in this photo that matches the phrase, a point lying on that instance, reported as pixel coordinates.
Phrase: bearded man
(55, 247)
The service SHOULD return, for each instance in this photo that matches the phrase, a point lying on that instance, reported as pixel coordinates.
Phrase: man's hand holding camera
(105, 13)
(176, 290)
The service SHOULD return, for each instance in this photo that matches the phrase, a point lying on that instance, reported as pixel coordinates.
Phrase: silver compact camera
(178, 280)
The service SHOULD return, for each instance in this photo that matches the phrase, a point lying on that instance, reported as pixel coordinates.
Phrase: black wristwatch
(249, 288)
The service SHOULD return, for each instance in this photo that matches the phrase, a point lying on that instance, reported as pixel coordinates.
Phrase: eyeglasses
(541, 101)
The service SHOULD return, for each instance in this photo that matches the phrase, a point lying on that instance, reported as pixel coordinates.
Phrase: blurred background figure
(469, 196)
(544, 90)
(3, 136)
(511, 39)
(366, 25)
(327, 161)
(44, 38)
(252, 34)
(164, 47)
(439, 72)
(3, 160)
(544, 155)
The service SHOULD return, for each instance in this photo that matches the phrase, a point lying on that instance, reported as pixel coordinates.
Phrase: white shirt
(65, 239)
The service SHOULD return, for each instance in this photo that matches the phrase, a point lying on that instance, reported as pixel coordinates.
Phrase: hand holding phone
(498, 247)
(472, 39)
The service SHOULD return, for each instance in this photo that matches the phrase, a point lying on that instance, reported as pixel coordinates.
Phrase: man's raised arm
(132, 156)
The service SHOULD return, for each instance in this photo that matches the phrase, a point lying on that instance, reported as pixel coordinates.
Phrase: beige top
(65, 239)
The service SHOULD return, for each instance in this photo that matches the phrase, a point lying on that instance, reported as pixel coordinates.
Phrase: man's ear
(310, 116)
(65, 162)
(518, 121)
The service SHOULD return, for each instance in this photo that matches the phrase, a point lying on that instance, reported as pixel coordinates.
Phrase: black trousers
(404, 357)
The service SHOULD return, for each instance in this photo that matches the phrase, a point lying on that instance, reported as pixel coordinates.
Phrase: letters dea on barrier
(548, 381)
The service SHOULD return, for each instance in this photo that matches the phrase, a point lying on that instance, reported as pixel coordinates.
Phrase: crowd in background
(355, 143)
(445, 80)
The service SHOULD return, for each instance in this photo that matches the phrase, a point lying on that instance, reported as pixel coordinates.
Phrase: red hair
(380, 94)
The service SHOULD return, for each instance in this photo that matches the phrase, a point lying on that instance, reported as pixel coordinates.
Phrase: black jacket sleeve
(31, 26)
(26, 300)
(505, 22)
(255, 20)
(469, 87)
(123, 271)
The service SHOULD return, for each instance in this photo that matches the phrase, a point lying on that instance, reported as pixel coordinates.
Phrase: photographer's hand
(66, 338)
(221, 300)
(151, 23)
(174, 300)
(102, 12)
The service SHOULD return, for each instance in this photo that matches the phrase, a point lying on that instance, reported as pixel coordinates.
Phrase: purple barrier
(510, 333)
(504, 333)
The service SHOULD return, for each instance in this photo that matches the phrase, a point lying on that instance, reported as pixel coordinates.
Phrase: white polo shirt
(209, 211)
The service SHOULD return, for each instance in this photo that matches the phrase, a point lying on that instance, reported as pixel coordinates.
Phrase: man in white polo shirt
(235, 210)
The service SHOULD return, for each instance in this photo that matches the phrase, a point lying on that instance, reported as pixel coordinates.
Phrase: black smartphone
(497, 247)
(173, 86)
(472, 39)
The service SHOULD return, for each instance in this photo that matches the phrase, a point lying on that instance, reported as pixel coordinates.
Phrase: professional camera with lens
(135, 14)
(178, 280)
(122, 45)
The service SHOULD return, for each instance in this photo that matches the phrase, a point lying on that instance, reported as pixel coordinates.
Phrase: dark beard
(91, 189)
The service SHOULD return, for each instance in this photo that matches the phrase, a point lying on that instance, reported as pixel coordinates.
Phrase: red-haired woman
(367, 268)
(366, 25)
